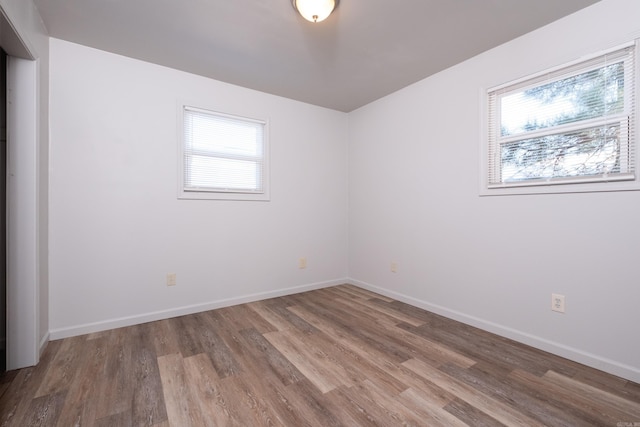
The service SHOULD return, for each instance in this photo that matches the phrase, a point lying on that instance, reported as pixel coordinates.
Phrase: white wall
(494, 261)
(117, 227)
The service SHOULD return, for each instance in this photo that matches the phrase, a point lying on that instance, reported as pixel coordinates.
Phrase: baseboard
(576, 355)
(43, 343)
(88, 328)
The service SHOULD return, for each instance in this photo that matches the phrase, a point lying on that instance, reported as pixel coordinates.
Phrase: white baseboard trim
(576, 355)
(88, 328)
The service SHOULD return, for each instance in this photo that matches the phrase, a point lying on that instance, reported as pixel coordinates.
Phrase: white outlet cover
(171, 279)
(557, 303)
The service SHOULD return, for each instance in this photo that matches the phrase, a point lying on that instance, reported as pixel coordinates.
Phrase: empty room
(320, 212)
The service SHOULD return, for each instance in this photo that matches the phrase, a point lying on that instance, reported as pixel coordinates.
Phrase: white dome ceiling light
(315, 10)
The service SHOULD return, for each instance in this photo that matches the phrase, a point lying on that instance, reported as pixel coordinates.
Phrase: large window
(570, 125)
(223, 156)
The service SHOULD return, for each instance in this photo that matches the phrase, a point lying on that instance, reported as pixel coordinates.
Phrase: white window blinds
(223, 153)
(569, 125)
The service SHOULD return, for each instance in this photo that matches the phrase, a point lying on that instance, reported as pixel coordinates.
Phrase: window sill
(213, 195)
(595, 187)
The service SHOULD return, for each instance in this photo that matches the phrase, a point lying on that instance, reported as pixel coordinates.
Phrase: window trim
(619, 182)
(216, 194)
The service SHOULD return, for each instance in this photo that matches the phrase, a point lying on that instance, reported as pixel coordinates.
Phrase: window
(571, 125)
(223, 156)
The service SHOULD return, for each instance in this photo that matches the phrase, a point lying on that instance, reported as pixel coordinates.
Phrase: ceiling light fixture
(315, 10)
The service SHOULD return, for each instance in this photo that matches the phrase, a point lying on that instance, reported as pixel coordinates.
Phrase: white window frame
(620, 182)
(221, 194)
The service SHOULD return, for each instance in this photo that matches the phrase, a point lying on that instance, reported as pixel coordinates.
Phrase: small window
(223, 156)
(571, 125)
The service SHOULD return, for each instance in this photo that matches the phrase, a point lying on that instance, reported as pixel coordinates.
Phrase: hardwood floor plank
(371, 361)
(431, 413)
(204, 381)
(574, 403)
(63, 367)
(612, 384)
(482, 346)
(45, 410)
(426, 317)
(392, 312)
(15, 402)
(501, 412)
(432, 352)
(116, 387)
(313, 409)
(266, 370)
(339, 356)
(96, 335)
(294, 321)
(346, 296)
(409, 406)
(631, 390)
(260, 377)
(498, 385)
(333, 358)
(165, 338)
(182, 407)
(470, 415)
(359, 409)
(366, 312)
(398, 341)
(416, 344)
(382, 406)
(4, 387)
(251, 406)
(266, 358)
(347, 364)
(255, 320)
(233, 319)
(122, 419)
(599, 398)
(80, 405)
(222, 356)
(188, 336)
(278, 322)
(354, 327)
(363, 293)
(437, 396)
(294, 351)
(148, 406)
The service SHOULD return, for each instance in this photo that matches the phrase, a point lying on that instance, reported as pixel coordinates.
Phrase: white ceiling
(365, 50)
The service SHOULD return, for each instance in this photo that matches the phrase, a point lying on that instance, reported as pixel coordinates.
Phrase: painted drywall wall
(26, 40)
(117, 227)
(494, 261)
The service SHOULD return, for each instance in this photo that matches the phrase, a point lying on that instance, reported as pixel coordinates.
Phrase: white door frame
(22, 220)
(23, 121)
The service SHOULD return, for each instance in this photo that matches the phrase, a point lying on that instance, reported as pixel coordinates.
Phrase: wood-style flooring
(340, 356)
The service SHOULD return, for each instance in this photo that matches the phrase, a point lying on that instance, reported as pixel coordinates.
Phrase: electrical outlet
(171, 279)
(302, 263)
(557, 303)
(394, 267)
